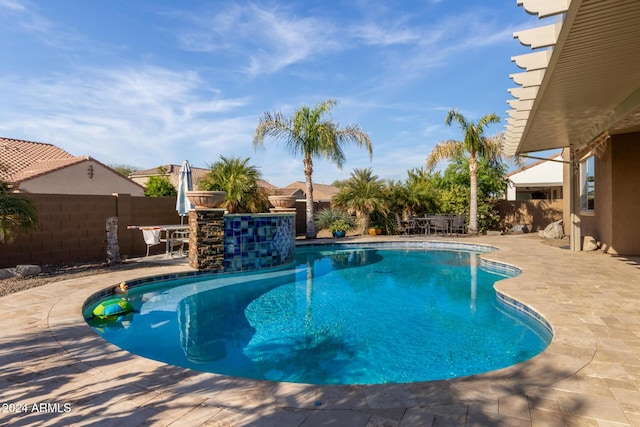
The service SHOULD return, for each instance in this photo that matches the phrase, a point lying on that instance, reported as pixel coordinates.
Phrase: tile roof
(172, 171)
(26, 159)
(45, 166)
(320, 191)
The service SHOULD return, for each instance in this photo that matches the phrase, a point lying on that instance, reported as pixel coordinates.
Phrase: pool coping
(99, 365)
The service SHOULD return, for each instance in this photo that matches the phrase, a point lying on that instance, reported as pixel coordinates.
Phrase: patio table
(173, 233)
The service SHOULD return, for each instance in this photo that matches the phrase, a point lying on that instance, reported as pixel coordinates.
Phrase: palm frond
(17, 214)
(445, 150)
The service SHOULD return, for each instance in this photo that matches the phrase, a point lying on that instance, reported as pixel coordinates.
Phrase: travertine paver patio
(62, 373)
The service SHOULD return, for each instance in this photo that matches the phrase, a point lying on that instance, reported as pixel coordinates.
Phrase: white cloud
(138, 116)
(265, 40)
(26, 18)
(197, 103)
(376, 34)
(12, 5)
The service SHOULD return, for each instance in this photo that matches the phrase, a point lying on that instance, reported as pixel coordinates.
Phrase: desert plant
(17, 214)
(340, 225)
(239, 180)
(362, 193)
(326, 217)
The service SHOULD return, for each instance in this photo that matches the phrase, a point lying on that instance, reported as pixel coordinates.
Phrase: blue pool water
(341, 315)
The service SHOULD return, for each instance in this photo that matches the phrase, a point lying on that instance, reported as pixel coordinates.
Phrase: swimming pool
(366, 314)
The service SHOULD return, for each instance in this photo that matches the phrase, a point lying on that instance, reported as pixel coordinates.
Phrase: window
(587, 184)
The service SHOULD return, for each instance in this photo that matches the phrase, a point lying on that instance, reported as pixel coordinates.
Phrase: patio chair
(405, 227)
(178, 238)
(440, 224)
(421, 225)
(151, 237)
(457, 225)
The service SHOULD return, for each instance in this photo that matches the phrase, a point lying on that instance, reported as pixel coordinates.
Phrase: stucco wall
(566, 191)
(601, 219)
(76, 179)
(617, 197)
(625, 227)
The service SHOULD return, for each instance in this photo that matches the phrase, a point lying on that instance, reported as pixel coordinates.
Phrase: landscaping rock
(26, 270)
(589, 243)
(5, 273)
(552, 231)
(519, 229)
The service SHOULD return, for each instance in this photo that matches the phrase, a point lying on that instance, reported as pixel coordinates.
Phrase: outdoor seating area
(434, 224)
(174, 236)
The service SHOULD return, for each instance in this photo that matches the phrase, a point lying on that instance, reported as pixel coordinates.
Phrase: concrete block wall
(73, 228)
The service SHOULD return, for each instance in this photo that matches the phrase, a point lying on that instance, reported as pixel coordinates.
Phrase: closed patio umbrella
(185, 183)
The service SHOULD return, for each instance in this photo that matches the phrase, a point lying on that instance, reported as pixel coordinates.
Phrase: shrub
(326, 217)
(340, 225)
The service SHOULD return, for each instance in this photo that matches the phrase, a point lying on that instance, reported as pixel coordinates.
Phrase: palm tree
(16, 214)
(477, 146)
(307, 134)
(240, 182)
(363, 193)
(421, 195)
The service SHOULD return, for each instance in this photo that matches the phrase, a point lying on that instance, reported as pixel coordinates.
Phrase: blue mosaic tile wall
(253, 242)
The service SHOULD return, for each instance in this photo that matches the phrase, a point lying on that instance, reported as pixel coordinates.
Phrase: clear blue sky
(151, 82)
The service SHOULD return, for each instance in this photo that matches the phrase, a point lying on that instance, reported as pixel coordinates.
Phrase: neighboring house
(321, 192)
(580, 91)
(173, 172)
(539, 180)
(35, 167)
(270, 188)
(170, 171)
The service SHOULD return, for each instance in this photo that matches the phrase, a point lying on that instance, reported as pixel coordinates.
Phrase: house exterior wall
(625, 227)
(614, 222)
(596, 224)
(566, 200)
(75, 179)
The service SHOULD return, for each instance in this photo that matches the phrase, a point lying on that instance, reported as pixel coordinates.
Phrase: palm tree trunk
(473, 194)
(311, 227)
(364, 218)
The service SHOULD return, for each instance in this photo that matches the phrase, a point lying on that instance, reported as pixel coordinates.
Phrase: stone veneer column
(206, 239)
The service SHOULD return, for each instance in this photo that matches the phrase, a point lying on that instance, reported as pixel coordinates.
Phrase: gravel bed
(57, 273)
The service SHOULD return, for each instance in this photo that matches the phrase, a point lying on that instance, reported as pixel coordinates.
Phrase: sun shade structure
(582, 79)
(579, 90)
